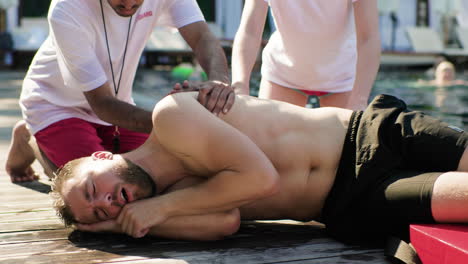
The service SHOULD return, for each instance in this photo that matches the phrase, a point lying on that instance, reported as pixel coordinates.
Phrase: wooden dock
(30, 232)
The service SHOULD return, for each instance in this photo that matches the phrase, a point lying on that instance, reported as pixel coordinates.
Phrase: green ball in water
(181, 73)
(204, 76)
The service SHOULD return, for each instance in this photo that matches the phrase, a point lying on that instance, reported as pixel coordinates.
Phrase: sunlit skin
(97, 193)
(125, 8)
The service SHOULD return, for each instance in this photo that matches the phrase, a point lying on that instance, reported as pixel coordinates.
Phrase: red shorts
(75, 138)
(314, 93)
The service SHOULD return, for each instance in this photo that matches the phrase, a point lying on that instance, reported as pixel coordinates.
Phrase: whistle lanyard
(116, 134)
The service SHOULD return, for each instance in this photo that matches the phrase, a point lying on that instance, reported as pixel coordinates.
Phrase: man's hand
(108, 226)
(135, 219)
(104, 226)
(215, 96)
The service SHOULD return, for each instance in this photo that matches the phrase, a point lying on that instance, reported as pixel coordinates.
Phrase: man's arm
(213, 226)
(197, 227)
(368, 49)
(194, 227)
(110, 109)
(237, 170)
(247, 43)
(211, 57)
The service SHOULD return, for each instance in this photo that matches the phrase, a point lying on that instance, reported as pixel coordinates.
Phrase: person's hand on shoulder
(216, 96)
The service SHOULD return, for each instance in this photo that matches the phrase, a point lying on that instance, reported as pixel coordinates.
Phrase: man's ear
(102, 155)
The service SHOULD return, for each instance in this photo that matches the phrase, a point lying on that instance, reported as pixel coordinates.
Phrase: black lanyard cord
(116, 87)
(116, 139)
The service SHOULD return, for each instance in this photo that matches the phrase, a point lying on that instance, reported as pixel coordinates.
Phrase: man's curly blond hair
(61, 176)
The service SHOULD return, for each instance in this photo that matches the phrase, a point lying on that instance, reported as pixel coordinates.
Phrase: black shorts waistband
(345, 167)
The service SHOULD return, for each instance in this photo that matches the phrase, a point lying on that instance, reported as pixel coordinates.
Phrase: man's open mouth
(124, 195)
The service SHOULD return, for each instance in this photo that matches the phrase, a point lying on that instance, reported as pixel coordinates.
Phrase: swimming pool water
(449, 104)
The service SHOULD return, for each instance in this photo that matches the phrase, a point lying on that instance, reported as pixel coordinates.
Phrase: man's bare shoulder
(174, 103)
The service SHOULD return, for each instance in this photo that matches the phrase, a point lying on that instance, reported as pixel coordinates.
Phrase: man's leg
(449, 202)
(450, 195)
(20, 155)
(68, 139)
(270, 90)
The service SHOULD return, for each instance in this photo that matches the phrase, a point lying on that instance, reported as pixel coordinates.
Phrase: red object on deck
(440, 243)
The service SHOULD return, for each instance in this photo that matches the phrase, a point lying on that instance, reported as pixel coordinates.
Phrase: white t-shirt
(74, 58)
(314, 46)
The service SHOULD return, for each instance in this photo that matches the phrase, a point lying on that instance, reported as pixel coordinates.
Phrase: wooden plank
(25, 237)
(204, 254)
(27, 216)
(359, 258)
(29, 198)
(23, 206)
(265, 245)
(32, 225)
(24, 188)
(21, 190)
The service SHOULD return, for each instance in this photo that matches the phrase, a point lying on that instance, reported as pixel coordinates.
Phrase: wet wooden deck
(31, 233)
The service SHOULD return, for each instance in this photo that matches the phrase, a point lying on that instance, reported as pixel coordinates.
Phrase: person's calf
(20, 155)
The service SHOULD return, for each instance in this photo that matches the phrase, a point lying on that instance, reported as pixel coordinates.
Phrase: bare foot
(20, 155)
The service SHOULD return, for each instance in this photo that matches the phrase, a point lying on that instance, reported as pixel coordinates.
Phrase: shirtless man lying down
(364, 174)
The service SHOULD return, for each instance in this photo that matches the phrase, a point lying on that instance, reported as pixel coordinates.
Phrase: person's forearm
(224, 191)
(366, 71)
(211, 57)
(244, 55)
(247, 44)
(199, 227)
(123, 115)
(368, 49)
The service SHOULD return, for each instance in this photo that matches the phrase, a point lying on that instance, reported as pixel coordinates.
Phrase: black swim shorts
(391, 158)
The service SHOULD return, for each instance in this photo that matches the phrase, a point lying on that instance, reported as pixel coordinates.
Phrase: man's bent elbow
(232, 222)
(228, 224)
(269, 184)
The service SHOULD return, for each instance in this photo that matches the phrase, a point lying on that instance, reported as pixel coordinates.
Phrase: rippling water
(447, 103)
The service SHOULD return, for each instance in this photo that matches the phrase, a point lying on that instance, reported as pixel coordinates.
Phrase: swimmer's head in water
(445, 71)
(95, 188)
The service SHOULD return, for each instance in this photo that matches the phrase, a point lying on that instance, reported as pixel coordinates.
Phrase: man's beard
(135, 175)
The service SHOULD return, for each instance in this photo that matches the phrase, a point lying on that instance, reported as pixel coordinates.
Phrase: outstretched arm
(237, 171)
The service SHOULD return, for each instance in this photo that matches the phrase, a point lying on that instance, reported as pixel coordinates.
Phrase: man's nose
(104, 200)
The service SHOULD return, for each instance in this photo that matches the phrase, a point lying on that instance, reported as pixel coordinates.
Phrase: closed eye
(94, 190)
(106, 216)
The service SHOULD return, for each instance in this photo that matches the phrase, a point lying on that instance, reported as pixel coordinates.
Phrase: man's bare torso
(304, 145)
